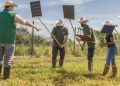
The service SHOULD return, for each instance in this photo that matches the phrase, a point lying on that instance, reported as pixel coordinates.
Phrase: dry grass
(31, 71)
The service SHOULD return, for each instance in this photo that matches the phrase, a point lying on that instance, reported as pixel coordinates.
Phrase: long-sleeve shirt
(87, 30)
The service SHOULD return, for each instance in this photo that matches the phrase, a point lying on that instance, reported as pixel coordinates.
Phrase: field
(37, 71)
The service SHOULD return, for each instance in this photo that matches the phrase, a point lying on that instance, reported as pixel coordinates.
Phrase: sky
(96, 11)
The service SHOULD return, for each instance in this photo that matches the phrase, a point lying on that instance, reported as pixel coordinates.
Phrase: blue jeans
(111, 55)
(6, 54)
(90, 55)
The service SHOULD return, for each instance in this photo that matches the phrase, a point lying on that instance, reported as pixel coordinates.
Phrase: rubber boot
(106, 69)
(6, 74)
(90, 66)
(54, 63)
(61, 63)
(114, 71)
(0, 70)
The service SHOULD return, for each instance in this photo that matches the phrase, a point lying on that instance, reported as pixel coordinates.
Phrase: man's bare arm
(31, 25)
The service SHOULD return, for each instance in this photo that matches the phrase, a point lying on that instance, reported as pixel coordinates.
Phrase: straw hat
(109, 23)
(10, 3)
(83, 19)
(60, 22)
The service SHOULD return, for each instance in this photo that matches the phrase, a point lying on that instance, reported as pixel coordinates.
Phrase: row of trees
(43, 45)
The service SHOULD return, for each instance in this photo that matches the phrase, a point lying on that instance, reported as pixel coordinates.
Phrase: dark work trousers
(90, 56)
(54, 56)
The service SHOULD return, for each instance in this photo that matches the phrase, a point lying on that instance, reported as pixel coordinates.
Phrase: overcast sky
(97, 11)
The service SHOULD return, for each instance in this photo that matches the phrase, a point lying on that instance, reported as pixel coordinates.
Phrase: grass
(32, 71)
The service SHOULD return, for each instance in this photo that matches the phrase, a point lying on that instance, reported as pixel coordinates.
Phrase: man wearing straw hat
(87, 30)
(61, 34)
(112, 47)
(8, 20)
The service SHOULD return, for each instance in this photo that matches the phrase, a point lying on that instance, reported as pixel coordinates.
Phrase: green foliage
(42, 51)
(25, 37)
(21, 50)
